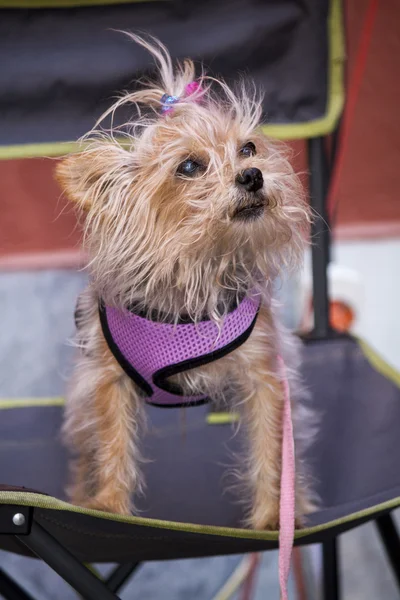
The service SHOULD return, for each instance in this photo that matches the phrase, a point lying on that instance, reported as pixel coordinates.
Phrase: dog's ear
(85, 176)
(72, 174)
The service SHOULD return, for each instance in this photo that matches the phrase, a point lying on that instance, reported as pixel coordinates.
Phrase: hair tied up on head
(168, 101)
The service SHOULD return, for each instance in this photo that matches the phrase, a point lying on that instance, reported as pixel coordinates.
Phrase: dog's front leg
(116, 408)
(103, 419)
(262, 412)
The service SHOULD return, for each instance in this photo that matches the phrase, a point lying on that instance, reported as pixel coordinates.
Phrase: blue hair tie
(167, 102)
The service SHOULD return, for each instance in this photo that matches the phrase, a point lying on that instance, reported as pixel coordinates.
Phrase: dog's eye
(248, 149)
(188, 167)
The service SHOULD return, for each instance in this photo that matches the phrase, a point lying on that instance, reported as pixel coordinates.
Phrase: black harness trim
(120, 358)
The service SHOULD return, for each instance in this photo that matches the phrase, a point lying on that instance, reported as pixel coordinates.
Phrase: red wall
(35, 218)
(370, 181)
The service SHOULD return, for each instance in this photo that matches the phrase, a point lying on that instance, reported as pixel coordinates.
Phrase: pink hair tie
(192, 88)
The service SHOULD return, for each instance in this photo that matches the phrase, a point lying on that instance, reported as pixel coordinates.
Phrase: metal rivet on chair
(18, 519)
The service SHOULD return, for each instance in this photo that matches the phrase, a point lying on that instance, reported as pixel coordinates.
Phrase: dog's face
(209, 177)
(199, 198)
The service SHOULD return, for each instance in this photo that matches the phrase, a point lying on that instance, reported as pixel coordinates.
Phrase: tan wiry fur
(173, 244)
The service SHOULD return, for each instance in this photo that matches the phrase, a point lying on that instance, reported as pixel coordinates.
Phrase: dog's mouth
(249, 211)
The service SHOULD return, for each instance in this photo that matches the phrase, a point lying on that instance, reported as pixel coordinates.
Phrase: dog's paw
(107, 503)
(265, 517)
(304, 506)
(300, 522)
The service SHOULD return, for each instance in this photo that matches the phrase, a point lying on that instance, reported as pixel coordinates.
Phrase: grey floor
(36, 321)
(175, 580)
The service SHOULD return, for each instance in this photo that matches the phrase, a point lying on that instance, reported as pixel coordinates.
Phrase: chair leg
(390, 539)
(120, 575)
(10, 590)
(330, 570)
(46, 547)
(318, 183)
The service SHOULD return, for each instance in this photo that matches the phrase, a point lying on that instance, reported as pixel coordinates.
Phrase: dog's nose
(251, 179)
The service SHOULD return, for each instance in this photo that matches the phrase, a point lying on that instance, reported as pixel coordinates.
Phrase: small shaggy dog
(190, 214)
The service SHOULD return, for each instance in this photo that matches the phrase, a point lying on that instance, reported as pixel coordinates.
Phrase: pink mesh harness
(151, 351)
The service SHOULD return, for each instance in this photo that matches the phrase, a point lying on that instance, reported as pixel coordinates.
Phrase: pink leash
(287, 499)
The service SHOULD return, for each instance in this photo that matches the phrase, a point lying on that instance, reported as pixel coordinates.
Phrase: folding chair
(295, 50)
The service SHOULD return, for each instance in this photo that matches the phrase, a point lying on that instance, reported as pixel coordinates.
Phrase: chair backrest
(67, 62)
